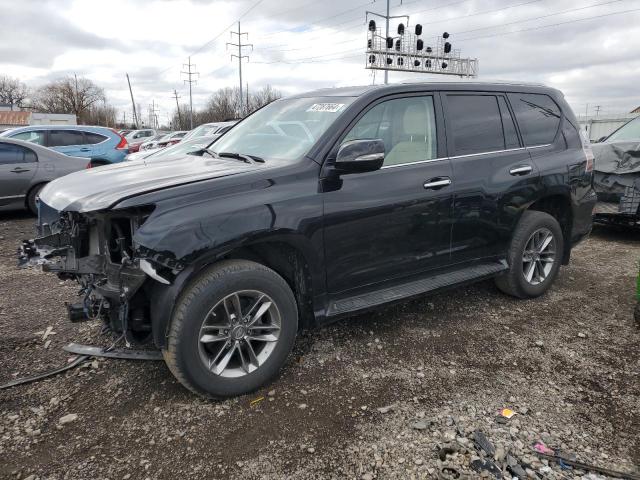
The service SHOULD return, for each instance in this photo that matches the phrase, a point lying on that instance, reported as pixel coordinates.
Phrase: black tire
(182, 354)
(514, 282)
(31, 198)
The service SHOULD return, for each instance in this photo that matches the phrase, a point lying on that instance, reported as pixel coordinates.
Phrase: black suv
(315, 207)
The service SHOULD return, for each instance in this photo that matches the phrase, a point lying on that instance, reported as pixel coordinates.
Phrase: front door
(18, 165)
(388, 224)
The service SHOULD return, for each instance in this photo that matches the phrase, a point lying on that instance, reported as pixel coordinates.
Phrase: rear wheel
(534, 256)
(32, 204)
(232, 329)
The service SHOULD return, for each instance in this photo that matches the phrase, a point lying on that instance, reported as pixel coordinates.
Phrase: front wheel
(232, 329)
(534, 256)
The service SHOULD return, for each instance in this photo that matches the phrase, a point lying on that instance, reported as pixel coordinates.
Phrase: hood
(616, 157)
(102, 187)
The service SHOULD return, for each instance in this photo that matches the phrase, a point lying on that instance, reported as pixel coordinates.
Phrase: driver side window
(405, 125)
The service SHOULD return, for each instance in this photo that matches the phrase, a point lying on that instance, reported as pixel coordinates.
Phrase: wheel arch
(39, 183)
(283, 254)
(559, 207)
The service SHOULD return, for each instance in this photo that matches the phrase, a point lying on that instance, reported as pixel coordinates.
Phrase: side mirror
(358, 156)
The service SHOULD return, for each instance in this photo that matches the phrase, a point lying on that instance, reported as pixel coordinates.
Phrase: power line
(318, 22)
(540, 17)
(548, 26)
(485, 12)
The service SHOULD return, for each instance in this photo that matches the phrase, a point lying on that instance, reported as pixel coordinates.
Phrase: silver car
(26, 167)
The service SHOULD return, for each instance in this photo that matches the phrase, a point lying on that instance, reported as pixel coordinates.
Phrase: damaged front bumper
(618, 199)
(98, 251)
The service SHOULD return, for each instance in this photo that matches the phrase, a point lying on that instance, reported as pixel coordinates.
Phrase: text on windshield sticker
(325, 107)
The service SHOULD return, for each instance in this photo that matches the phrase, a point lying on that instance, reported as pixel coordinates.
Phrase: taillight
(123, 144)
(88, 166)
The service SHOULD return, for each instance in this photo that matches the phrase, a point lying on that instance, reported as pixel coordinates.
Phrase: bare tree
(263, 97)
(69, 95)
(12, 91)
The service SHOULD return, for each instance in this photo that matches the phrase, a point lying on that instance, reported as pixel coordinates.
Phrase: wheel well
(288, 262)
(559, 207)
(33, 187)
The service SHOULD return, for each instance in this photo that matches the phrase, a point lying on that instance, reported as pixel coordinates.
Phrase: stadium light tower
(407, 51)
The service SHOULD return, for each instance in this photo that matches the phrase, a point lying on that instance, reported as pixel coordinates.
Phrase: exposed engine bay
(98, 251)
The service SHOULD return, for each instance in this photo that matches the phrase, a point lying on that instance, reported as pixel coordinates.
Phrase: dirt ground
(373, 396)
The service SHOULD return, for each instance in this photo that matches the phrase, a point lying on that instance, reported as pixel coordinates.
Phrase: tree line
(88, 101)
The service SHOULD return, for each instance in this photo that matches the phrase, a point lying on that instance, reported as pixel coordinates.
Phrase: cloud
(302, 45)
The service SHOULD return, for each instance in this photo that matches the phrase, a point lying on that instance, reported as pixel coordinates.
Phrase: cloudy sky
(590, 49)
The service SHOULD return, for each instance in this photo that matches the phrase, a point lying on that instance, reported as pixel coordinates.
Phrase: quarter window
(93, 138)
(11, 154)
(538, 117)
(405, 125)
(65, 138)
(476, 124)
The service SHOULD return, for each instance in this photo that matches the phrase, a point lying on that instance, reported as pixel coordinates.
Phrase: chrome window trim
(487, 153)
(414, 163)
(463, 156)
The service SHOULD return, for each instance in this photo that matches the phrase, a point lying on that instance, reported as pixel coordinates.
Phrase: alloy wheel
(239, 333)
(539, 256)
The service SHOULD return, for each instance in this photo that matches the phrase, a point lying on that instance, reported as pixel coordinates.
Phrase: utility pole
(240, 56)
(133, 104)
(175, 95)
(190, 73)
(386, 35)
(597, 107)
(153, 115)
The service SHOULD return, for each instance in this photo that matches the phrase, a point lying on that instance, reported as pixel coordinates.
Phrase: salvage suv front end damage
(98, 250)
(617, 183)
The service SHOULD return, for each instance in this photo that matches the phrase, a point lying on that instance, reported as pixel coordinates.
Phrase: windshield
(285, 129)
(629, 131)
(203, 131)
(182, 148)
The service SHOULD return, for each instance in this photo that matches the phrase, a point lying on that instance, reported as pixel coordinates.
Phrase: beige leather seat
(415, 145)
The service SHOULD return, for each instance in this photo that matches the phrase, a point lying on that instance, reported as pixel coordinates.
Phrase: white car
(208, 129)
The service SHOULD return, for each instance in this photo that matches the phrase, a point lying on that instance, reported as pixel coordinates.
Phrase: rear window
(476, 124)
(538, 117)
(93, 138)
(64, 138)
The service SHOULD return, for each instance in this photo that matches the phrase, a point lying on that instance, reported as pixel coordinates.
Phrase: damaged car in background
(616, 177)
(316, 207)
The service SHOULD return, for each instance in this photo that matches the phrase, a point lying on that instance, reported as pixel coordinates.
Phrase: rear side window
(35, 136)
(93, 138)
(538, 117)
(65, 138)
(476, 124)
(10, 154)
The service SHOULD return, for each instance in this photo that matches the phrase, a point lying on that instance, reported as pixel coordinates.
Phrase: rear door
(492, 172)
(70, 142)
(18, 166)
(394, 222)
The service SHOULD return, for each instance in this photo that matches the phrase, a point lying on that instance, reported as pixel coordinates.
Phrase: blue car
(100, 144)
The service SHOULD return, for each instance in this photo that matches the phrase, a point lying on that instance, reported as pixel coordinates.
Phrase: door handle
(20, 170)
(521, 170)
(85, 149)
(437, 183)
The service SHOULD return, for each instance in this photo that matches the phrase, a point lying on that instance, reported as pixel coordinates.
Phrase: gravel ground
(394, 393)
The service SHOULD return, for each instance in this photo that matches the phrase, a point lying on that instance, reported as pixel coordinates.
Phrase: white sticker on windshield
(325, 107)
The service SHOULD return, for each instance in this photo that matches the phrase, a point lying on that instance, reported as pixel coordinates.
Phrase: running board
(417, 287)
